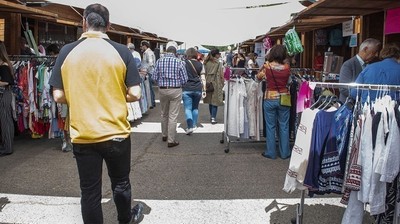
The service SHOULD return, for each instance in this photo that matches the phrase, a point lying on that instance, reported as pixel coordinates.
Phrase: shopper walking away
(170, 75)
(99, 127)
(148, 62)
(214, 75)
(6, 96)
(276, 72)
(194, 89)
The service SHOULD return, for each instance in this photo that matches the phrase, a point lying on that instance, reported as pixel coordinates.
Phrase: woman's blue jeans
(276, 114)
(213, 111)
(191, 100)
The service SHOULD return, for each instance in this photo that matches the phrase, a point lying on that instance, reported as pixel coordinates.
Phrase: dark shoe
(164, 138)
(5, 154)
(137, 212)
(267, 156)
(172, 144)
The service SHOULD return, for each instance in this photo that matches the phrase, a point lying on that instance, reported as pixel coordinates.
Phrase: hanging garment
(321, 128)
(299, 160)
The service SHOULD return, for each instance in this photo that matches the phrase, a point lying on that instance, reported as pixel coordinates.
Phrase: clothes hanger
(323, 104)
(316, 103)
(331, 101)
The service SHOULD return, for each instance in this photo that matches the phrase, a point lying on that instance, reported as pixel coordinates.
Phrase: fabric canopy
(186, 45)
(216, 23)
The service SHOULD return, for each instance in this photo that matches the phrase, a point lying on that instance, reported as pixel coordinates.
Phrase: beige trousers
(170, 100)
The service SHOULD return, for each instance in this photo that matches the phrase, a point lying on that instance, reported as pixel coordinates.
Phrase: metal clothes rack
(224, 134)
(29, 57)
(355, 86)
(300, 206)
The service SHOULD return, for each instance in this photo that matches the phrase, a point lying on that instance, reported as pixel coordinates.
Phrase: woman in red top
(276, 72)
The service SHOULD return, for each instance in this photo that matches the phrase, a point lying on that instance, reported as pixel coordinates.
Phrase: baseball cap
(172, 44)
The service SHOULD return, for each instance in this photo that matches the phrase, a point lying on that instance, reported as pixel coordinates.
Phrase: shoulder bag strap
(194, 69)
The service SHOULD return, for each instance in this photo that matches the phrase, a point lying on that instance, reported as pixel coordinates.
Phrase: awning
(11, 7)
(325, 13)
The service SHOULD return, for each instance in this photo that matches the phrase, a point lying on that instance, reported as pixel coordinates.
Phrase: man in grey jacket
(352, 68)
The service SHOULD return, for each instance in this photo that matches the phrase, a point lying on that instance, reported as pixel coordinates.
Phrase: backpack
(292, 42)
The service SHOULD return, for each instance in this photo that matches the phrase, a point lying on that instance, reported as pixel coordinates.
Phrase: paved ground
(195, 182)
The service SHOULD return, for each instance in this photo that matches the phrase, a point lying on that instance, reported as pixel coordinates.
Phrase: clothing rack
(30, 56)
(225, 135)
(354, 85)
(300, 206)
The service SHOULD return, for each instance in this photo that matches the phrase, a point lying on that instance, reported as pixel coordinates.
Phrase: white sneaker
(194, 127)
(213, 121)
(189, 131)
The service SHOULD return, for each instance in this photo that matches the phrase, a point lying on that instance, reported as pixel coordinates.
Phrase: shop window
(2, 29)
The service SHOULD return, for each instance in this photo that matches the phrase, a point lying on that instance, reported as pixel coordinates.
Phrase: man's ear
(84, 26)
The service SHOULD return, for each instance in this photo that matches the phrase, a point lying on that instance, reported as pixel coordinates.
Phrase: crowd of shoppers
(118, 81)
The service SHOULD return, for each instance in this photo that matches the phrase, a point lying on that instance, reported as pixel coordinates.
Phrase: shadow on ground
(313, 214)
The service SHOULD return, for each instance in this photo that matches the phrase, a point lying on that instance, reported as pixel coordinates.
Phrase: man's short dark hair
(52, 49)
(214, 52)
(97, 16)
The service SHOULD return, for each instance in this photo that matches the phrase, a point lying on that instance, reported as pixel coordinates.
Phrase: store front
(320, 27)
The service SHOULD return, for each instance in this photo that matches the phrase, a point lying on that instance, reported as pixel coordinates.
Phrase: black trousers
(89, 158)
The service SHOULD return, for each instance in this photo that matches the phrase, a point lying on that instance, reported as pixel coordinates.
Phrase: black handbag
(209, 87)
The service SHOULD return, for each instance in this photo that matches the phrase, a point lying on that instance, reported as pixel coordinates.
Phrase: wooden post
(304, 54)
(384, 28)
(13, 33)
(36, 32)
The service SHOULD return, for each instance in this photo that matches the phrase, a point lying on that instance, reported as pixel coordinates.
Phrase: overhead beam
(351, 8)
(25, 9)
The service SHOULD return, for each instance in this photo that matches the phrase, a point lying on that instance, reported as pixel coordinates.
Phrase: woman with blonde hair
(214, 75)
(6, 118)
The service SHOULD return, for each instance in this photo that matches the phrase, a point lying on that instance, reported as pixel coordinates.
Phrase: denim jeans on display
(276, 114)
(89, 159)
(191, 100)
(213, 111)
